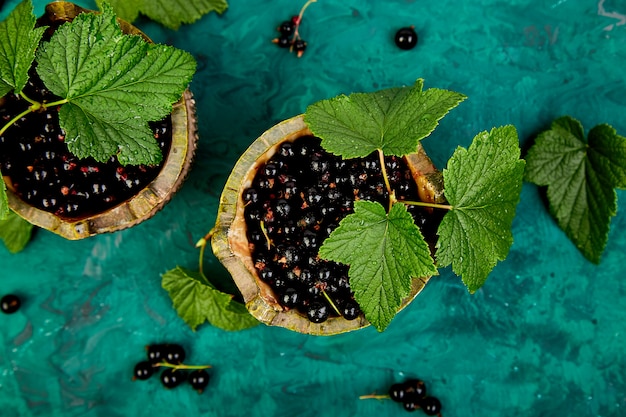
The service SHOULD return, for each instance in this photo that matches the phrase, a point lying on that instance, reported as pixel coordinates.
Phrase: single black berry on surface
(199, 379)
(295, 201)
(143, 370)
(10, 303)
(406, 38)
(171, 378)
(431, 406)
(397, 392)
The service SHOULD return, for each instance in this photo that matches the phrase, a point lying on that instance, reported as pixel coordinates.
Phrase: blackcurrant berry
(410, 405)
(10, 303)
(174, 354)
(199, 379)
(406, 38)
(283, 41)
(287, 27)
(431, 406)
(299, 46)
(317, 312)
(171, 378)
(415, 389)
(156, 353)
(397, 393)
(143, 370)
(351, 310)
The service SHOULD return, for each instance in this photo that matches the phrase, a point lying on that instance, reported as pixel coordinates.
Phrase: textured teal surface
(544, 337)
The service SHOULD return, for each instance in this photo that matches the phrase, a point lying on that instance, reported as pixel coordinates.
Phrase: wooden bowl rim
(148, 201)
(229, 241)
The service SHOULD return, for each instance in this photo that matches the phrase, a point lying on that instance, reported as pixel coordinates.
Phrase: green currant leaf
(4, 201)
(385, 252)
(169, 13)
(127, 10)
(483, 184)
(114, 81)
(392, 120)
(15, 232)
(196, 302)
(172, 13)
(581, 176)
(18, 42)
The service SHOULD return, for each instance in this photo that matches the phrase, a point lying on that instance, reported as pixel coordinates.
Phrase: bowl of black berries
(54, 139)
(284, 197)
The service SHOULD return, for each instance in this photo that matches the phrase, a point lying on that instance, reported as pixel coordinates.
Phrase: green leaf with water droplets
(18, 41)
(392, 120)
(15, 232)
(483, 184)
(114, 84)
(197, 302)
(169, 13)
(581, 175)
(385, 251)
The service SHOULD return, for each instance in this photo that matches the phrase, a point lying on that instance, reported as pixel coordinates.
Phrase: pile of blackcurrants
(171, 357)
(412, 395)
(289, 36)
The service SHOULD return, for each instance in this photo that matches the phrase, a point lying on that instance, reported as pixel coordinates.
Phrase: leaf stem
(330, 301)
(425, 204)
(56, 103)
(30, 100)
(15, 119)
(181, 366)
(392, 194)
(375, 397)
(202, 245)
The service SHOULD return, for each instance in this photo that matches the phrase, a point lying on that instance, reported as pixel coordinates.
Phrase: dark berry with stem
(156, 353)
(143, 370)
(415, 389)
(174, 354)
(299, 46)
(199, 379)
(287, 28)
(282, 41)
(431, 406)
(406, 38)
(317, 312)
(10, 303)
(410, 405)
(171, 378)
(351, 310)
(397, 392)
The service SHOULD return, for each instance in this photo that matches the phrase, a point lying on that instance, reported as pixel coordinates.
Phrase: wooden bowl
(230, 244)
(151, 198)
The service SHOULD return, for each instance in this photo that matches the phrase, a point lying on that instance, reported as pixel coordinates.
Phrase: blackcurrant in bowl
(284, 196)
(80, 197)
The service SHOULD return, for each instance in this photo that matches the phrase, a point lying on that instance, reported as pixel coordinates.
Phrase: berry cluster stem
(202, 245)
(34, 106)
(181, 366)
(375, 397)
(296, 33)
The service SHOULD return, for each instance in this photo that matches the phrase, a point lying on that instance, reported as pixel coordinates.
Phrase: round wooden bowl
(230, 244)
(151, 198)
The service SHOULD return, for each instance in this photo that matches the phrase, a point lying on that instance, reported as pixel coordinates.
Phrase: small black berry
(174, 354)
(406, 38)
(171, 378)
(199, 379)
(287, 27)
(143, 370)
(283, 41)
(431, 406)
(10, 303)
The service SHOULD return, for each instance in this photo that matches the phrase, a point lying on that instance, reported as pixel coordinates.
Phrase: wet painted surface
(544, 337)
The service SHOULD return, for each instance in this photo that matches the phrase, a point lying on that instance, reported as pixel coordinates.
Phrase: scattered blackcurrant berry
(10, 303)
(431, 406)
(156, 353)
(199, 379)
(397, 392)
(406, 38)
(174, 354)
(143, 370)
(171, 377)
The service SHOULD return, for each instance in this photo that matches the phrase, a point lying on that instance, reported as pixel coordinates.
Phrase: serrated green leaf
(581, 176)
(196, 302)
(127, 10)
(15, 232)
(173, 13)
(483, 184)
(392, 120)
(4, 201)
(18, 42)
(119, 81)
(385, 252)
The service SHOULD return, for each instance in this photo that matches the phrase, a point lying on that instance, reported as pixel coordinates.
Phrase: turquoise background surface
(544, 337)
